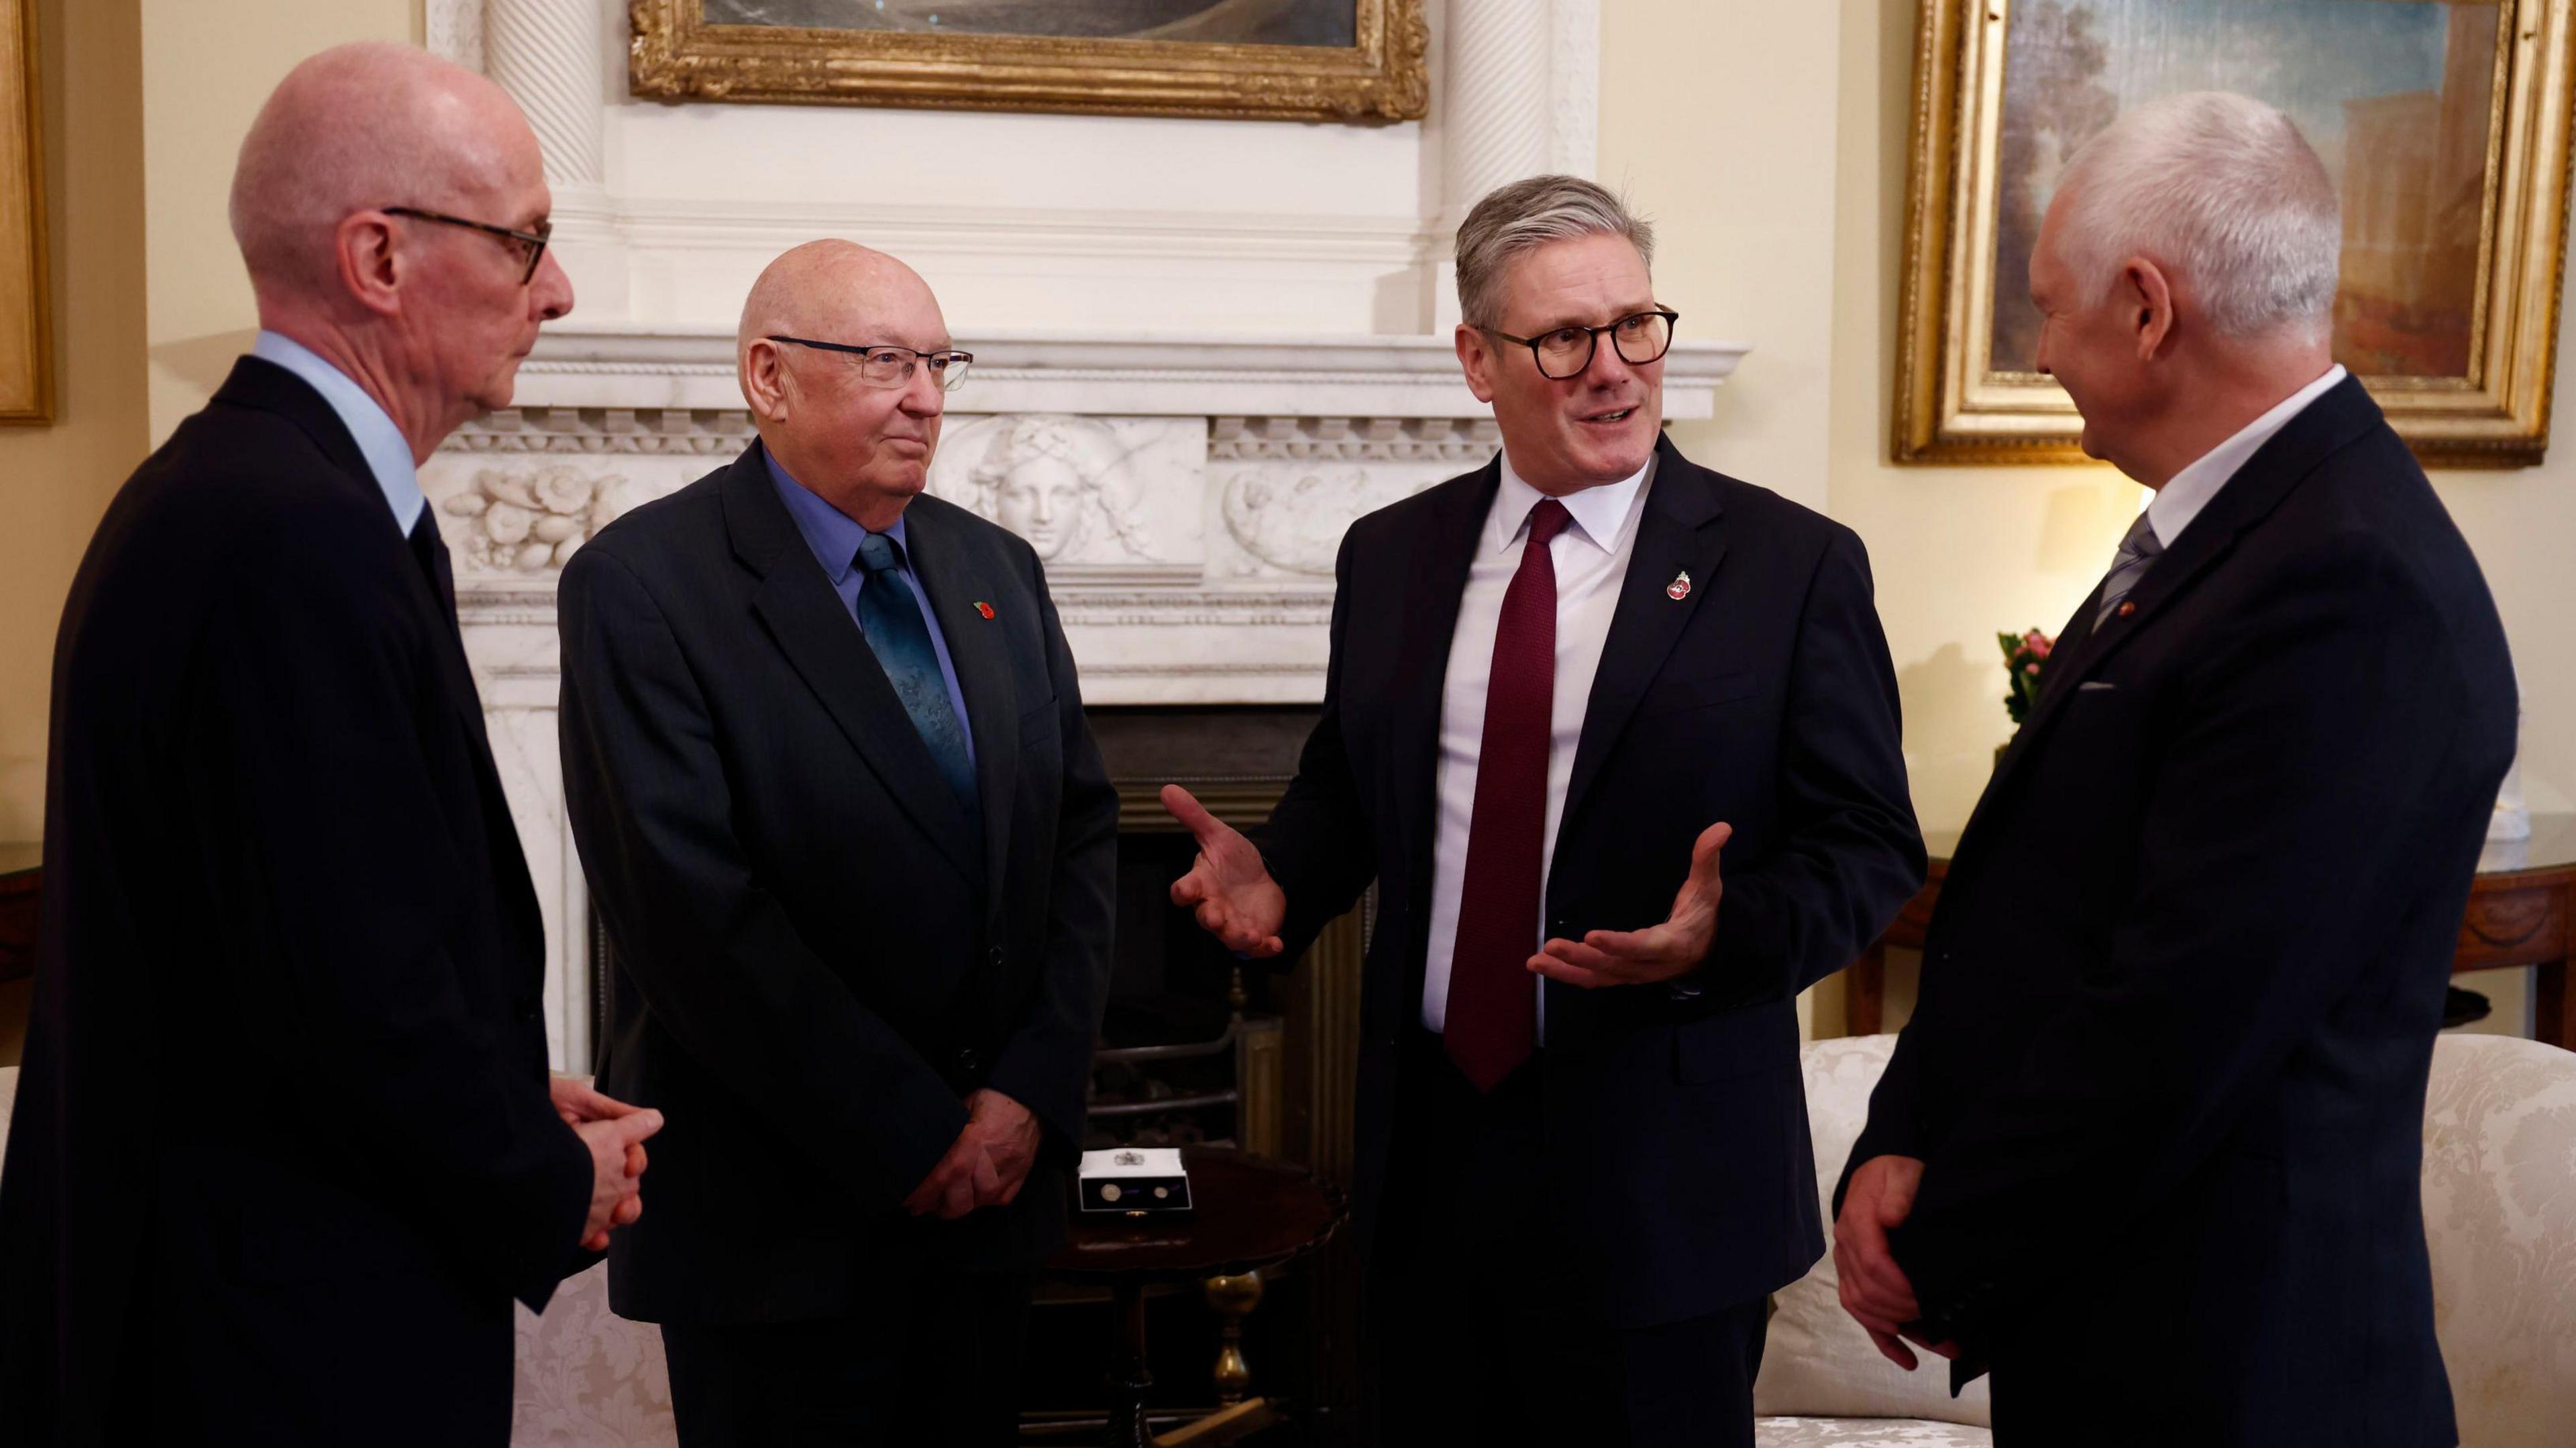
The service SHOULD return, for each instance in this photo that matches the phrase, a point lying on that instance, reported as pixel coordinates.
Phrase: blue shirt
(834, 536)
(387, 451)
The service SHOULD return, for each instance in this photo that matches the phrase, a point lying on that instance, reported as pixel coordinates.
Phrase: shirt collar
(832, 534)
(387, 451)
(1602, 515)
(2187, 492)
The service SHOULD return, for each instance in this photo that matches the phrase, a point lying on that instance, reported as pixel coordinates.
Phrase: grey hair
(2225, 191)
(1523, 216)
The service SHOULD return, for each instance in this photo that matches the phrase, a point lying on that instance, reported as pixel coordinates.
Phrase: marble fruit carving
(527, 522)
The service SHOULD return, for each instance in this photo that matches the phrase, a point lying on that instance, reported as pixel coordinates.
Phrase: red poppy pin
(1679, 588)
(985, 609)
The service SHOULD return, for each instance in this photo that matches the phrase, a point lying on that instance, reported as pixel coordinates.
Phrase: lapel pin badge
(984, 608)
(2127, 608)
(1679, 588)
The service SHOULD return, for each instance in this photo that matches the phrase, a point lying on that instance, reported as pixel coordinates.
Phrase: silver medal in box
(1135, 1179)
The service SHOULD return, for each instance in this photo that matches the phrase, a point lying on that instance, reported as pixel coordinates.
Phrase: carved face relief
(1047, 502)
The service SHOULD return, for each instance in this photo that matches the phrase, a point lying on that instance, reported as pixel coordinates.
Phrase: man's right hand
(1873, 1286)
(616, 1172)
(1228, 887)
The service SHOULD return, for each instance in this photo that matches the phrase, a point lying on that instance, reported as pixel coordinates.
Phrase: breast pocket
(1042, 726)
(1689, 696)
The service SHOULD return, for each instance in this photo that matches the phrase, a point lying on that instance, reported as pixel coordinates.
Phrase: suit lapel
(1677, 534)
(796, 602)
(1436, 578)
(2343, 413)
(980, 650)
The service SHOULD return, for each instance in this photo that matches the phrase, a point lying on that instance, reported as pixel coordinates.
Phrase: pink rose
(2030, 668)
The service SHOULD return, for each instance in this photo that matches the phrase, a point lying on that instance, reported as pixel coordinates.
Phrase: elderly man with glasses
(828, 770)
(285, 1145)
(1563, 688)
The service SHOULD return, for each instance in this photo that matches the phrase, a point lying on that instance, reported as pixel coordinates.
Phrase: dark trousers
(1479, 1325)
(937, 1364)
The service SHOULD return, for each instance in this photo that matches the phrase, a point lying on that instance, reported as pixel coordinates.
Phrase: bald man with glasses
(285, 1143)
(828, 769)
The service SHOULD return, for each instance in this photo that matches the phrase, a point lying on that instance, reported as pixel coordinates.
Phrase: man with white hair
(1561, 686)
(2149, 1147)
(285, 1146)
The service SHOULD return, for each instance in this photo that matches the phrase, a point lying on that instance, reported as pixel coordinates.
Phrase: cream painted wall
(206, 69)
(55, 480)
(1771, 141)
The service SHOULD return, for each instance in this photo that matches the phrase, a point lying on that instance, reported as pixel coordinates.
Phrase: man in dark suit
(2149, 1147)
(829, 772)
(1560, 685)
(284, 1149)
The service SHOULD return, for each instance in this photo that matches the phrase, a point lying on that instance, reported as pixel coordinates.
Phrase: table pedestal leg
(1232, 1298)
(1128, 1378)
(2554, 1012)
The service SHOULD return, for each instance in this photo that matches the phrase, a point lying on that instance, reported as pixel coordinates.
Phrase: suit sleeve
(1852, 855)
(1317, 842)
(1046, 1063)
(2307, 745)
(718, 961)
(343, 891)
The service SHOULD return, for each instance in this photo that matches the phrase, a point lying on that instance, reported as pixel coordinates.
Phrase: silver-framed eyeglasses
(882, 364)
(1565, 352)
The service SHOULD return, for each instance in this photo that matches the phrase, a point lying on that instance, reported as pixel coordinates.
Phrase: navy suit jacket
(2167, 1069)
(1764, 698)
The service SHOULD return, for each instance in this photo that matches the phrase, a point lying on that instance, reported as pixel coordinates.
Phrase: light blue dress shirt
(834, 536)
(387, 451)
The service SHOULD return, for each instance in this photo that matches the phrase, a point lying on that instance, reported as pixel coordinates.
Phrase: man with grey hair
(2163, 1088)
(285, 1144)
(1560, 687)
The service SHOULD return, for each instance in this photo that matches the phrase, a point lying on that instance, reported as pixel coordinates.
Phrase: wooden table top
(2552, 846)
(1246, 1214)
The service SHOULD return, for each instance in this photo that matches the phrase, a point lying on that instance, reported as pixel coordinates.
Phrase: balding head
(357, 127)
(861, 446)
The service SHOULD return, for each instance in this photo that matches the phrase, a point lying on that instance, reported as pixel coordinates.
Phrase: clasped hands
(1230, 892)
(615, 1133)
(988, 1163)
(1875, 1290)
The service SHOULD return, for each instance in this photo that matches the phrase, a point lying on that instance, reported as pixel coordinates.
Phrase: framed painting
(2445, 125)
(26, 313)
(1332, 60)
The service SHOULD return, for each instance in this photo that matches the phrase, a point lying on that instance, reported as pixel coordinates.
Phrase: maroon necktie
(1492, 1021)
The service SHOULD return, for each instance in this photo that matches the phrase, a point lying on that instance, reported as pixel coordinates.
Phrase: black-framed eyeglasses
(531, 242)
(1565, 352)
(882, 364)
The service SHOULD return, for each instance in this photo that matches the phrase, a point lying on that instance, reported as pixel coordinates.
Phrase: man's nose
(550, 289)
(922, 395)
(1607, 368)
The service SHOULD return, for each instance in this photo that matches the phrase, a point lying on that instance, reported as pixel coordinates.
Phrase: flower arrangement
(2024, 656)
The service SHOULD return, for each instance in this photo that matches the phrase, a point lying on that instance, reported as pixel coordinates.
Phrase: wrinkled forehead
(1584, 279)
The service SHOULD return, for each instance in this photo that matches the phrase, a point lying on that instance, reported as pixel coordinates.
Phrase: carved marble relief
(1102, 499)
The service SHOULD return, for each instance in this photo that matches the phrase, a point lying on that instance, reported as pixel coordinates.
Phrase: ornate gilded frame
(26, 286)
(676, 55)
(1951, 408)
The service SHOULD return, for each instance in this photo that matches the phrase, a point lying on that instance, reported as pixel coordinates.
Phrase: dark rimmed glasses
(1565, 352)
(531, 242)
(883, 364)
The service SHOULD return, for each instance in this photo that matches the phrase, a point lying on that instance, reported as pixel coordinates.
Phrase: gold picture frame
(1955, 405)
(26, 288)
(677, 55)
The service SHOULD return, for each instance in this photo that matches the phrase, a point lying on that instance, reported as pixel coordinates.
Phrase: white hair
(1525, 215)
(2224, 191)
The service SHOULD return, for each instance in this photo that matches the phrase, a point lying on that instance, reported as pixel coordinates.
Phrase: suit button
(970, 1062)
(993, 956)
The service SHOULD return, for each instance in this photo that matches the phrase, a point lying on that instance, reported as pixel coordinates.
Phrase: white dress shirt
(387, 451)
(2187, 492)
(1591, 560)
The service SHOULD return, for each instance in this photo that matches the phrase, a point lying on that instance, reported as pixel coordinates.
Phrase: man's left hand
(1008, 1132)
(579, 1103)
(1660, 953)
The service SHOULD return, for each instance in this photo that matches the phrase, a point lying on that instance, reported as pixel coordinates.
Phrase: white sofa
(2499, 1210)
(2499, 1206)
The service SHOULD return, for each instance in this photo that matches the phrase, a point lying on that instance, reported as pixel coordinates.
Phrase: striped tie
(2138, 550)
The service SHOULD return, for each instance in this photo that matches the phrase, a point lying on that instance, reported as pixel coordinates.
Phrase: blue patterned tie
(890, 616)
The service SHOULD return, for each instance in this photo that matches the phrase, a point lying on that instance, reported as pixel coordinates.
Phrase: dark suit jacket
(817, 955)
(2179, 997)
(1764, 698)
(282, 1150)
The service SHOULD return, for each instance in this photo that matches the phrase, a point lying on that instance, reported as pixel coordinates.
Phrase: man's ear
(2149, 296)
(370, 260)
(1476, 358)
(764, 380)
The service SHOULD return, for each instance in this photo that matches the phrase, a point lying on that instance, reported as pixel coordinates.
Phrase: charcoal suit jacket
(2167, 1071)
(282, 1151)
(1675, 1123)
(816, 953)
